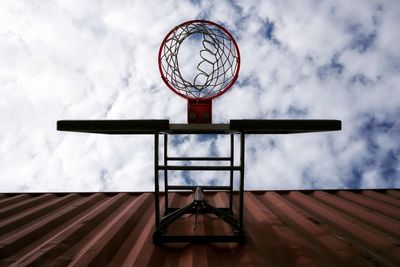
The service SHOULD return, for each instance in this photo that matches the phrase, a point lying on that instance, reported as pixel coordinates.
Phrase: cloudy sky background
(98, 60)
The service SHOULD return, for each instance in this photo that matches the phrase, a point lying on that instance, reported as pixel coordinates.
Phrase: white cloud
(98, 60)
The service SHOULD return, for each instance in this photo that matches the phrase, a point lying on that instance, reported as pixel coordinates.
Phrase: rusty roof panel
(283, 228)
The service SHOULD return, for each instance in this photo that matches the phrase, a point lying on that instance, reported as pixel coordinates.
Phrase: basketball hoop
(216, 70)
(216, 65)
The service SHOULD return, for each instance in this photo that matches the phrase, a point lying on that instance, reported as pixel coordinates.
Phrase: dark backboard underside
(235, 126)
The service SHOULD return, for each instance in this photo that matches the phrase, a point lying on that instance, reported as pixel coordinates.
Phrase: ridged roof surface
(283, 228)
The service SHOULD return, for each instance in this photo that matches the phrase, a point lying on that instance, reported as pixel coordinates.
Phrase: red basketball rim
(172, 87)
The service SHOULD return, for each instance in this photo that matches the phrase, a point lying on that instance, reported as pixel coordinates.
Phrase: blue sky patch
(332, 70)
(268, 30)
(360, 79)
(390, 167)
(361, 41)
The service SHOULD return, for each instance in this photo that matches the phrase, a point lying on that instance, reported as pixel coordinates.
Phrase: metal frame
(199, 204)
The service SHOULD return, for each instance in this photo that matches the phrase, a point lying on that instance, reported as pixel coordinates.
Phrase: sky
(299, 60)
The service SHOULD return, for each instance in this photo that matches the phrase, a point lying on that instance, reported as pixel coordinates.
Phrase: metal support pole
(156, 181)
(166, 171)
(242, 146)
(232, 160)
(198, 194)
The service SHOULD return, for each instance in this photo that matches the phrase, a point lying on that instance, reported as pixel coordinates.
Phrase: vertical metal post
(166, 171)
(231, 174)
(156, 180)
(242, 147)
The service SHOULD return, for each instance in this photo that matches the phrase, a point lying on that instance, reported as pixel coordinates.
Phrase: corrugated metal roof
(283, 228)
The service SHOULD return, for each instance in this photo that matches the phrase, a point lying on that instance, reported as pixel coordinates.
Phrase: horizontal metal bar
(193, 187)
(240, 238)
(199, 158)
(194, 211)
(199, 168)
